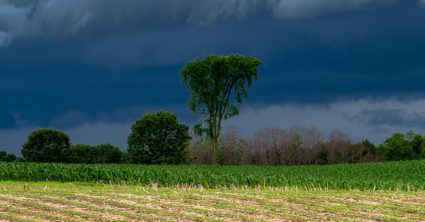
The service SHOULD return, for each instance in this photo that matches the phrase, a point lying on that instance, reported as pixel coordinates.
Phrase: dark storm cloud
(392, 117)
(92, 67)
(28, 18)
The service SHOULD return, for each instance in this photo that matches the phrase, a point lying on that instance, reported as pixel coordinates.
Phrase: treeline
(158, 138)
(303, 146)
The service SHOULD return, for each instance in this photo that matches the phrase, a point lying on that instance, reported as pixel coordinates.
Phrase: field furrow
(50, 201)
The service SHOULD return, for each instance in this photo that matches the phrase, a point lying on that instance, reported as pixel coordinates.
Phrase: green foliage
(404, 175)
(46, 145)
(368, 148)
(322, 153)
(7, 157)
(158, 138)
(403, 146)
(218, 85)
(104, 153)
(80, 153)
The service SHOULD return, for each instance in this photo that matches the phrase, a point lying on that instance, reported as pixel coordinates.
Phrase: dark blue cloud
(113, 72)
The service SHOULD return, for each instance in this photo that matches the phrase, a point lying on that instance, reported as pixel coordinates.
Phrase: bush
(7, 157)
(158, 138)
(46, 145)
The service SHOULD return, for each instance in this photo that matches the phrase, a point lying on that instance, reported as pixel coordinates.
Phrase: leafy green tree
(368, 148)
(7, 157)
(416, 142)
(402, 146)
(158, 138)
(80, 153)
(218, 85)
(46, 145)
(106, 153)
(322, 153)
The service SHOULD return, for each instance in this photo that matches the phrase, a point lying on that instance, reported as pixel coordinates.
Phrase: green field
(393, 191)
(407, 175)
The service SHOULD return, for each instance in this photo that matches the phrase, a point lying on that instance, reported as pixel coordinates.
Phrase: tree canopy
(158, 138)
(218, 86)
(46, 145)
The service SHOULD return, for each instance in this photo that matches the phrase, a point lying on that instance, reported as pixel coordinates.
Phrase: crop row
(407, 175)
(71, 202)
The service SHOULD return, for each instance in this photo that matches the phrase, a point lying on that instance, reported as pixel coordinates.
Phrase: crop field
(49, 201)
(405, 175)
(393, 191)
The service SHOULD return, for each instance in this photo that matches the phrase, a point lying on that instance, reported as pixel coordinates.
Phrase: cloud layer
(24, 18)
(361, 119)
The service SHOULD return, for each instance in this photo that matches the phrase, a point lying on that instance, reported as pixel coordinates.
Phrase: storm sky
(93, 67)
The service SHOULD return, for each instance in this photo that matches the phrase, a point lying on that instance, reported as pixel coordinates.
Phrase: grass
(50, 201)
(405, 175)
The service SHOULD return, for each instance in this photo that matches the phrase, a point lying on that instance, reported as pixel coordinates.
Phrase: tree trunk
(215, 150)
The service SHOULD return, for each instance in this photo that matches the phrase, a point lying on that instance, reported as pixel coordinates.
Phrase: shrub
(46, 145)
(158, 138)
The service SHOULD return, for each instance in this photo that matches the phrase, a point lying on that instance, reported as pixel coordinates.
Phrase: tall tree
(218, 86)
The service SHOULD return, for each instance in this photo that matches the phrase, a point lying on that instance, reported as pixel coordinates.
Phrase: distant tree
(218, 85)
(46, 145)
(402, 146)
(80, 153)
(416, 142)
(321, 153)
(106, 153)
(368, 147)
(363, 151)
(158, 138)
(339, 147)
(7, 157)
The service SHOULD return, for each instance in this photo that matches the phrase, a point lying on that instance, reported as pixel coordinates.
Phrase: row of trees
(8, 157)
(157, 138)
(302, 146)
(49, 145)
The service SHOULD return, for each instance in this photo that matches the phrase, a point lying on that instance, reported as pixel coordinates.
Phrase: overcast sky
(93, 67)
